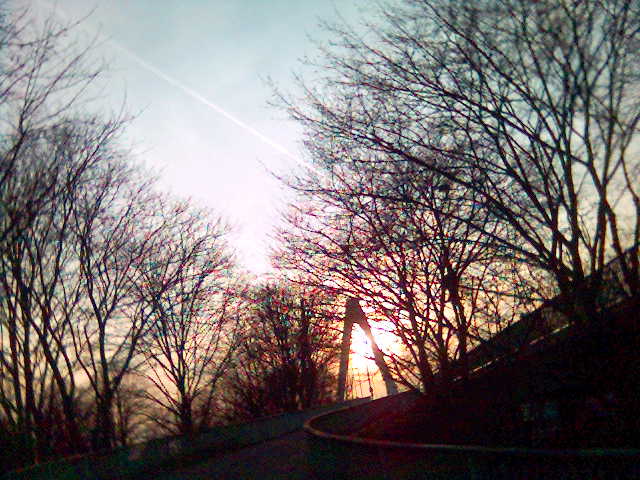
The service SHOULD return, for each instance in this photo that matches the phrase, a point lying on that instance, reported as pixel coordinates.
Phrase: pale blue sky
(220, 50)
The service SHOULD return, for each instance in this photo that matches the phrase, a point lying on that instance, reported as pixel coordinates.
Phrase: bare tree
(193, 296)
(393, 241)
(130, 411)
(41, 288)
(530, 107)
(47, 150)
(117, 226)
(288, 357)
(44, 79)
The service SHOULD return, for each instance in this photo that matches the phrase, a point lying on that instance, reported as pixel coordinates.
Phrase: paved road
(281, 458)
(288, 458)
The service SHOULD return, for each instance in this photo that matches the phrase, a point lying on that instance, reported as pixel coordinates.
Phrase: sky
(193, 73)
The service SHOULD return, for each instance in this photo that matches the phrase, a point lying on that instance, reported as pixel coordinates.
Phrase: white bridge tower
(354, 314)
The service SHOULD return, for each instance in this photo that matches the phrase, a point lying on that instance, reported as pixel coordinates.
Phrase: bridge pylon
(353, 314)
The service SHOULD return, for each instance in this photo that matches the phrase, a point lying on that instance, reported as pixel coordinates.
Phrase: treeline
(123, 314)
(467, 160)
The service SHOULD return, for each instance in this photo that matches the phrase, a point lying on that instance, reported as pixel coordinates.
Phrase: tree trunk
(105, 435)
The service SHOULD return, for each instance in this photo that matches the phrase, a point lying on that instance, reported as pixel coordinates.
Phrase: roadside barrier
(336, 451)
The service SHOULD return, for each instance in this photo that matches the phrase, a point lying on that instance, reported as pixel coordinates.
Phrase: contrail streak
(185, 89)
(197, 96)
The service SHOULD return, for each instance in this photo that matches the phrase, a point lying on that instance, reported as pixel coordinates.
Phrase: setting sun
(363, 371)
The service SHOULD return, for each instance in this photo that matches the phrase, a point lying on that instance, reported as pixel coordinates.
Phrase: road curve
(284, 457)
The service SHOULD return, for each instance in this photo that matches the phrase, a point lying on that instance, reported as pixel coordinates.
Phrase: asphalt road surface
(280, 458)
(287, 457)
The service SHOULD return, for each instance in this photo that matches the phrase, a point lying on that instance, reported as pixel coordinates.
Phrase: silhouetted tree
(288, 355)
(117, 232)
(41, 283)
(391, 240)
(44, 79)
(130, 411)
(79, 226)
(47, 151)
(193, 296)
(529, 107)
